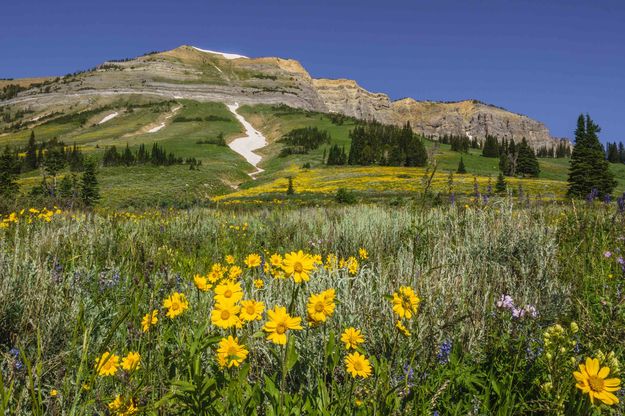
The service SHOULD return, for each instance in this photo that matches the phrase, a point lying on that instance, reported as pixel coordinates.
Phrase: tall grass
(78, 286)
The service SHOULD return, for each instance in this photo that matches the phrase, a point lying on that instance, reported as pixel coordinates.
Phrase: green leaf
(291, 354)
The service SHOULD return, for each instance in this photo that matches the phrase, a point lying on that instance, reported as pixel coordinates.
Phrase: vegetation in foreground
(484, 309)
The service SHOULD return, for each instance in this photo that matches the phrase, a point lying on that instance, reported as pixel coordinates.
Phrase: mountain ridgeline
(191, 73)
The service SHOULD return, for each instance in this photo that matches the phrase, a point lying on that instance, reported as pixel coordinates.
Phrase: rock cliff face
(190, 73)
(471, 118)
(345, 96)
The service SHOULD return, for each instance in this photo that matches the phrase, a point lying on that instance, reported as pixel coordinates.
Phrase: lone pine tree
(89, 191)
(589, 168)
(461, 168)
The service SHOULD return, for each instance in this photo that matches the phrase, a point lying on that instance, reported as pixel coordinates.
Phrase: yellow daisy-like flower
(278, 324)
(176, 304)
(405, 302)
(357, 365)
(592, 379)
(331, 262)
(214, 276)
(107, 364)
(149, 320)
(275, 260)
(234, 272)
(224, 315)
(230, 292)
(201, 283)
(321, 306)
(352, 265)
(259, 283)
(121, 407)
(230, 353)
(352, 337)
(298, 265)
(253, 260)
(230, 259)
(54, 393)
(278, 274)
(402, 328)
(131, 361)
(116, 404)
(317, 259)
(363, 254)
(251, 310)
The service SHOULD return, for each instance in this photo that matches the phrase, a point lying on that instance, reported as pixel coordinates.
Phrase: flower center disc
(319, 307)
(228, 293)
(250, 309)
(225, 315)
(358, 366)
(298, 267)
(281, 328)
(596, 383)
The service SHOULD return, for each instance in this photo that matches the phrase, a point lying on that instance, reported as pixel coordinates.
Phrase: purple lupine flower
(607, 254)
(607, 198)
(505, 302)
(518, 313)
(452, 198)
(14, 352)
(620, 260)
(531, 310)
(594, 193)
(444, 352)
(620, 203)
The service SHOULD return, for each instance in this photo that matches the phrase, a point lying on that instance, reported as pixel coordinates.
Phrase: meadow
(495, 307)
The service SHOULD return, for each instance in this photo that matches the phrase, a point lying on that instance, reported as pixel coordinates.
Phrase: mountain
(191, 73)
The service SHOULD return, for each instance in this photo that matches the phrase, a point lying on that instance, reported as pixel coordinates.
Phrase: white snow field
(225, 55)
(253, 140)
(109, 117)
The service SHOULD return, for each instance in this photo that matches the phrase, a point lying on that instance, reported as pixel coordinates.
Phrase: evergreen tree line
(615, 153)
(557, 151)
(48, 155)
(156, 156)
(336, 155)
(303, 140)
(494, 148)
(460, 143)
(517, 159)
(69, 191)
(374, 143)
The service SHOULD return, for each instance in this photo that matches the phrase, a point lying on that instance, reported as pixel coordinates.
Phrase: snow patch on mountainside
(109, 117)
(225, 55)
(253, 140)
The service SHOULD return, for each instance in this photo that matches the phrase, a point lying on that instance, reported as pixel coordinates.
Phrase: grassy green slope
(144, 186)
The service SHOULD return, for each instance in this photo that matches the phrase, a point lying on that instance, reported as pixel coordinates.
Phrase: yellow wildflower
(278, 324)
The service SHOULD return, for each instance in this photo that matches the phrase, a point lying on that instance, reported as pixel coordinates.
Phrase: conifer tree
(527, 163)
(30, 160)
(89, 191)
(491, 147)
(461, 168)
(8, 175)
(500, 185)
(588, 168)
(290, 190)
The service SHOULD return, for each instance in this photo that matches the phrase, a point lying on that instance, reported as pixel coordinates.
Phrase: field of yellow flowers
(387, 180)
(477, 310)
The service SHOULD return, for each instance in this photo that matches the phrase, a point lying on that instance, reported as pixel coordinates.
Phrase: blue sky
(549, 59)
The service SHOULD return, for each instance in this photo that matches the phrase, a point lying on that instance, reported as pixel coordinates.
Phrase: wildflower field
(493, 309)
(386, 181)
